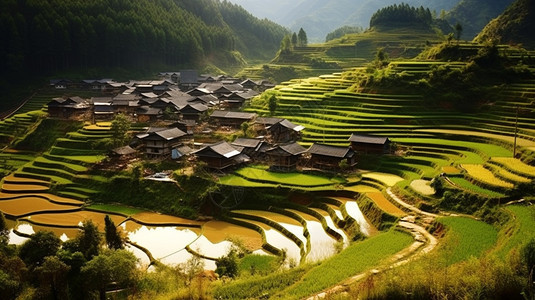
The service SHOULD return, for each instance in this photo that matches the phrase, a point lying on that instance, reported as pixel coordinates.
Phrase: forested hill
(47, 36)
(516, 25)
(473, 15)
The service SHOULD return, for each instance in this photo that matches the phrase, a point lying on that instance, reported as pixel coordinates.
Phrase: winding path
(424, 242)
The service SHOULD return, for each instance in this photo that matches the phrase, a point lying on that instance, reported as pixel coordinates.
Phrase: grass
(355, 259)
(257, 264)
(518, 231)
(516, 165)
(466, 237)
(114, 208)
(292, 178)
(467, 185)
(479, 173)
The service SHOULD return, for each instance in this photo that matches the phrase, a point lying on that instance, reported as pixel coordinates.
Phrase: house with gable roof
(284, 131)
(220, 155)
(159, 142)
(366, 144)
(285, 156)
(329, 157)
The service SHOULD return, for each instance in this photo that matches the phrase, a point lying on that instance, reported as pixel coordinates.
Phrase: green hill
(45, 37)
(515, 26)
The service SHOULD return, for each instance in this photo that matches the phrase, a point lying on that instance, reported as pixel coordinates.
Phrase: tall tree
(119, 130)
(53, 278)
(113, 237)
(40, 245)
(302, 40)
(4, 231)
(458, 30)
(294, 39)
(89, 240)
(119, 266)
(272, 104)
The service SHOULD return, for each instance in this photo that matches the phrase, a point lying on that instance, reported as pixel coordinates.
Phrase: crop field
(518, 231)
(466, 238)
(479, 173)
(464, 184)
(355, 259)
(515, 165)
(385, 205)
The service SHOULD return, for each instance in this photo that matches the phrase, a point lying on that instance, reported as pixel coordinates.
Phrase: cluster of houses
(186, 100)
(183, 94)
(276, 145)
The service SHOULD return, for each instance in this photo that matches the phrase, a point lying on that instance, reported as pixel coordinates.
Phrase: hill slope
(473, 15)
(515, 25)
(48, 36)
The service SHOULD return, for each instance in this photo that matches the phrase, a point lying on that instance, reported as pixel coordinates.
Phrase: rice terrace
(384, 163)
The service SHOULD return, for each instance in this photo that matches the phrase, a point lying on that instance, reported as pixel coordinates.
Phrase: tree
(117, 266)
(272, 104)
(113, 237)
(458, 30)
(119, 129)
(227, 265)
(286, 44)
(39, 246)
(89, 240)
(302, 40)
(294, 39)
(4, 231)
(53, 278)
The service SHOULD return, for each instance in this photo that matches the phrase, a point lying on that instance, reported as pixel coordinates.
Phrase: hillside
(515, 26)
(321, 17)
(473, 15)
(45, 37)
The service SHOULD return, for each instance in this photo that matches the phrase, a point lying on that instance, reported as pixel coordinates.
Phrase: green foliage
(257, 287)
(256, 264)
(88, 240)
(466, 237)
(401, 15)
(302, 39)
(228, 265)
(113, 238)
(118, 266)
(354, 259)
(53, 278)
(4, 231)
(340, 32)
(45, 135)
(119, 129)
(63, 35)
(40, 245)
(272, 104)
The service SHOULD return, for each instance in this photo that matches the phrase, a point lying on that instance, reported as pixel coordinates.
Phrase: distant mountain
(515, 26)
(473, 15)
(319, 17)
(44, 37)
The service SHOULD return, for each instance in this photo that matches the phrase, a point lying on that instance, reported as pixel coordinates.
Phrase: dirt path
(424, 242)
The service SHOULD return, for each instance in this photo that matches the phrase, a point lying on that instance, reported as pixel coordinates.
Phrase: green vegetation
(357, 258)
(402, 15)
(467, 237)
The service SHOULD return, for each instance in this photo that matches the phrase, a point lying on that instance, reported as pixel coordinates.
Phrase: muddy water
(28, 205)
(337, 211)
(278, 240)
(322, 245)
(290, 224)
(354, 211)
(163, 242)
(219, 231)
(330, 224)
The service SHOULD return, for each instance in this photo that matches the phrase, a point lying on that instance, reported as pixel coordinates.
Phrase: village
(188, 114)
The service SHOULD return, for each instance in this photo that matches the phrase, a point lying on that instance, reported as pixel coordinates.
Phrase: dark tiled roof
(221, 149)
(245, 142)
(288, 149)
(267, 121)
(232, 115)
(126, 150)
(378, 140)
(326, 150)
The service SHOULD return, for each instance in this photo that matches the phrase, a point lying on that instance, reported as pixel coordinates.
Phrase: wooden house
(60, 84)
(148, 114)
(181, 152)
(71, 107)
(123, 153)
(220, 156)
(329, 157)
(285, 156)
(250, 147)
(231, 118)
(284, 131)
(364, 144)
(192, 111)
(249, 84)
(159, 143)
